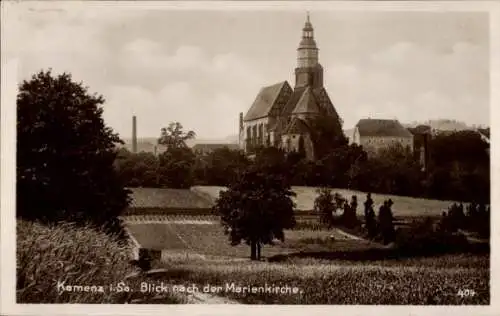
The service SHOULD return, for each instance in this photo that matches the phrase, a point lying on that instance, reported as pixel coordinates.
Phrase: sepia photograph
(247, 154)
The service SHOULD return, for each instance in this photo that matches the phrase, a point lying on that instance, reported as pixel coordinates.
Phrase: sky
(202, 68)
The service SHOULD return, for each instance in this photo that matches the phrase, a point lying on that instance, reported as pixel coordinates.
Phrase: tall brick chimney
(134, 134)
(240, 131)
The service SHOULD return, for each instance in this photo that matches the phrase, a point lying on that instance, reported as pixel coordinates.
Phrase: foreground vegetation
(439, 280)
(51, 256)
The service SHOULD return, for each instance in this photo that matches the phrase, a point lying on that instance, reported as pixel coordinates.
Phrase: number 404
(466, 293)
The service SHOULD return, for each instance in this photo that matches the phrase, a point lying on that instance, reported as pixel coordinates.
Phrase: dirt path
(190, 298)
(206, 298)
(348, 236)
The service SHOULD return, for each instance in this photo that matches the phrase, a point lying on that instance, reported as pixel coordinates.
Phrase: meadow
(404, 207)
(209, 240)
(328, 266)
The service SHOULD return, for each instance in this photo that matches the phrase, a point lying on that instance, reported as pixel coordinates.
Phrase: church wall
(258, 135)
(291, 142)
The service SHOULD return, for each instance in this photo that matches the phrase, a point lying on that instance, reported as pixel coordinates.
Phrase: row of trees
(459, 168)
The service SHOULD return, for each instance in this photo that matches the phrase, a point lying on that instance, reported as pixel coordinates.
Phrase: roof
(382, 128)
(297, 126)
(420, 129)
(167, 198)
(265, 101)
(307, 103)
(293, 100)
(205, 147)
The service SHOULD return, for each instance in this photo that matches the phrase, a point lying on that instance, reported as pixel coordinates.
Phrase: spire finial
(308, 21)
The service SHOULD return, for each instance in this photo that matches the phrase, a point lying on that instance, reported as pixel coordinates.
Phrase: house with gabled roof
(282, 116)
(376, 134)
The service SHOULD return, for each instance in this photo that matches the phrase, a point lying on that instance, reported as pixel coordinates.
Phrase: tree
(370, 223)
(176, 168)
(137, 170)
(273, 160)
(327, 135)
(174, 137)
(325, 206)
(385, 219)
(349, 218)
(223, 166)
(256, 209)
(65, 154)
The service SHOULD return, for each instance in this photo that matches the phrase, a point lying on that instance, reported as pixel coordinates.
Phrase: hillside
(403, 206)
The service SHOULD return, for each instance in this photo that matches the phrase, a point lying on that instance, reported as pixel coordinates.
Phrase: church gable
(292, 101)
(281, 100)
(265, 100)
(325, 103)
(297, 126)
(307, 103)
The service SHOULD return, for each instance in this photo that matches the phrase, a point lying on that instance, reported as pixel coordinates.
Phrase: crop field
(403, 206)
(207, 238)
(442, 280)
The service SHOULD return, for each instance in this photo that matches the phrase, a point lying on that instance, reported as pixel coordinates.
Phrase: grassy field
(324, 270)
(403, 206)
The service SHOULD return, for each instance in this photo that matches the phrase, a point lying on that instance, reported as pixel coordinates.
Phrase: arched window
(254, 134)
(301, 145)
(261, 134)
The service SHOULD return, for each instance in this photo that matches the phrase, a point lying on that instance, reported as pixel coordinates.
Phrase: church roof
(264, 101)
(307, 103)
(297, 126)
(293, 100)
(382, 128)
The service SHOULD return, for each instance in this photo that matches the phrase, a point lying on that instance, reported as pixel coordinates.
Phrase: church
(283, 116)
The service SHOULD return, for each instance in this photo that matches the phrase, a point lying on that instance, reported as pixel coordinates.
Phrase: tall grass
(48, 256)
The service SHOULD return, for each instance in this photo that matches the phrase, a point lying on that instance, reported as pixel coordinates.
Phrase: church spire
(307, 53)
(308, 71)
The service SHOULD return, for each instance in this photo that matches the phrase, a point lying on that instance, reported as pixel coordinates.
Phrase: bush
(325, 206)
(422, 238)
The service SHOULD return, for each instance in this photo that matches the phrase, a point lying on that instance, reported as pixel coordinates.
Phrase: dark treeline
(459, 168)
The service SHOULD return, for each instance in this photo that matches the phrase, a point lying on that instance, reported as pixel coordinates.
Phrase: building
(282, 116)
(204, 149)
(376, 134)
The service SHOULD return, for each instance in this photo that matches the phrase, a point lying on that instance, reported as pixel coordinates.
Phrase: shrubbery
(423, 238)
(476, 219)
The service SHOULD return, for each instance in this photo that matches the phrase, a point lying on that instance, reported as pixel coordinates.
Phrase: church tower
(308, 72)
